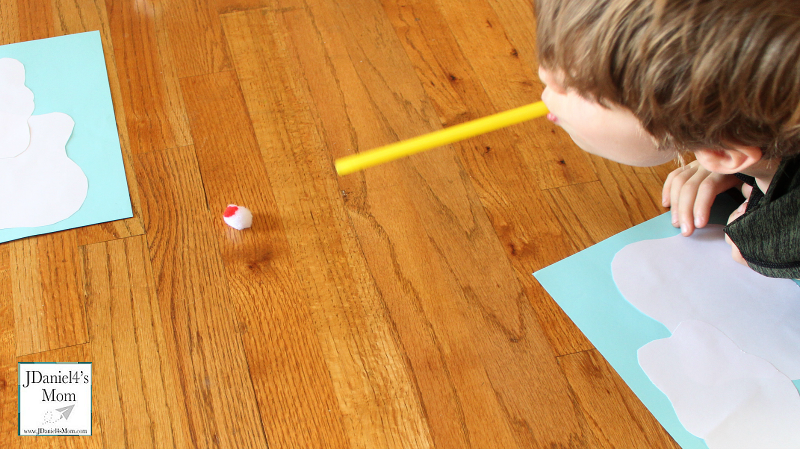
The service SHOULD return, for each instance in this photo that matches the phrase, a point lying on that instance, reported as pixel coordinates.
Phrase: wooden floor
(392, 308)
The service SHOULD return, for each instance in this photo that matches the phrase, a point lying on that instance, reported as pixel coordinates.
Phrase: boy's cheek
(553, 101)
(551, 96)
(546, 97)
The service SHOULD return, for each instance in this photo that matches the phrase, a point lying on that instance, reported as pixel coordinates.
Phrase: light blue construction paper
(583, 286)
(68, 74)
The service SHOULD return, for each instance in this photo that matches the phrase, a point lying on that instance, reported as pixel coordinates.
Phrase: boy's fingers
(707, 191)
(665, 191)
(697, 194)
(746, 190)
(690, 192)
(677, 198)
(688, 196)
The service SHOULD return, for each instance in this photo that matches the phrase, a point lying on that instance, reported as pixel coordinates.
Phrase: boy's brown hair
(697, 73)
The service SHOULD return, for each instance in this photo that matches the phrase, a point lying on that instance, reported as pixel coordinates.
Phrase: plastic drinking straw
(360, 161)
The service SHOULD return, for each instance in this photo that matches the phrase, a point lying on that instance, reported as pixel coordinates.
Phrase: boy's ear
(728, 161)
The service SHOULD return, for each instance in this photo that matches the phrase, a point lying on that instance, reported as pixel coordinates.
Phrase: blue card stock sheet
(584, 288)
(67, 74)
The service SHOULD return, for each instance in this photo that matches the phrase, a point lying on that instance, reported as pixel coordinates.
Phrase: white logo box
(55, 398)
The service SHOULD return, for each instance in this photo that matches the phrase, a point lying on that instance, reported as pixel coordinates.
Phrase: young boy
(640, 81)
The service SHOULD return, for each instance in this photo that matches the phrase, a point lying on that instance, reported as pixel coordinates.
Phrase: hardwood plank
(150, 94)
(563, 335)
(390, 308)
(5, 255)
(624, 197)
(112, 230)
(518, 20)
(195, 35)
(480, 346)
(509, 82)
(79, 353)
(587, 213)
(9, 32)
(49, 313)
(635, 194)
(135, 377)
(229, 6)
(78, 16)
(616, 415)
(35, 19)
(493, 161)
(519, 212)
(8, 361)
(27, 297)
(60, 274)
(293, 384)
(376, 394)
(204, 337)
(530, 340)
(429, 246)
(662, 171)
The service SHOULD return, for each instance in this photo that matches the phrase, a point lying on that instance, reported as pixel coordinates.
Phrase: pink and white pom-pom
(238, 217)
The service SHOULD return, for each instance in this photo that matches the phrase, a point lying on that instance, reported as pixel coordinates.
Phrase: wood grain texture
(621, 198)
(204, 338)
(293, 385)
(45, 275)
(617, 416)
(149, 90)
(5, 257)
(78, 16)
(510, 82)
(9, 32)
(198, 46)
(518, 210)
(518, 21)
(392, 308)
(35, 19)
(8, 360)
(587, 213)
(368, 369)
(134, 375)
(437, 236)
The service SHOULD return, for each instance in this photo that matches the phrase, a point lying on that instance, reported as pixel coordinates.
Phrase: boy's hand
(737, 256)
(689, 192)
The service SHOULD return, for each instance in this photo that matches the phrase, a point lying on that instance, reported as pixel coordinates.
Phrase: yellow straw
(360, 161)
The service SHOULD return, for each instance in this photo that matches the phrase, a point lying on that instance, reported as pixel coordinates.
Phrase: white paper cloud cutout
(727, 397)
(16, 106)
(39, 185)
(694, 278)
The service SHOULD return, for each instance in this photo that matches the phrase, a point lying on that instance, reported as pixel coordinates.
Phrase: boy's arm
(689, 192)
(768, 237)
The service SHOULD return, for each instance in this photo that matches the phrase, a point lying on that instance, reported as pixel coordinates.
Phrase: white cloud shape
(16, 106)
(694, 278)
(39, 184)
(721, 394)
